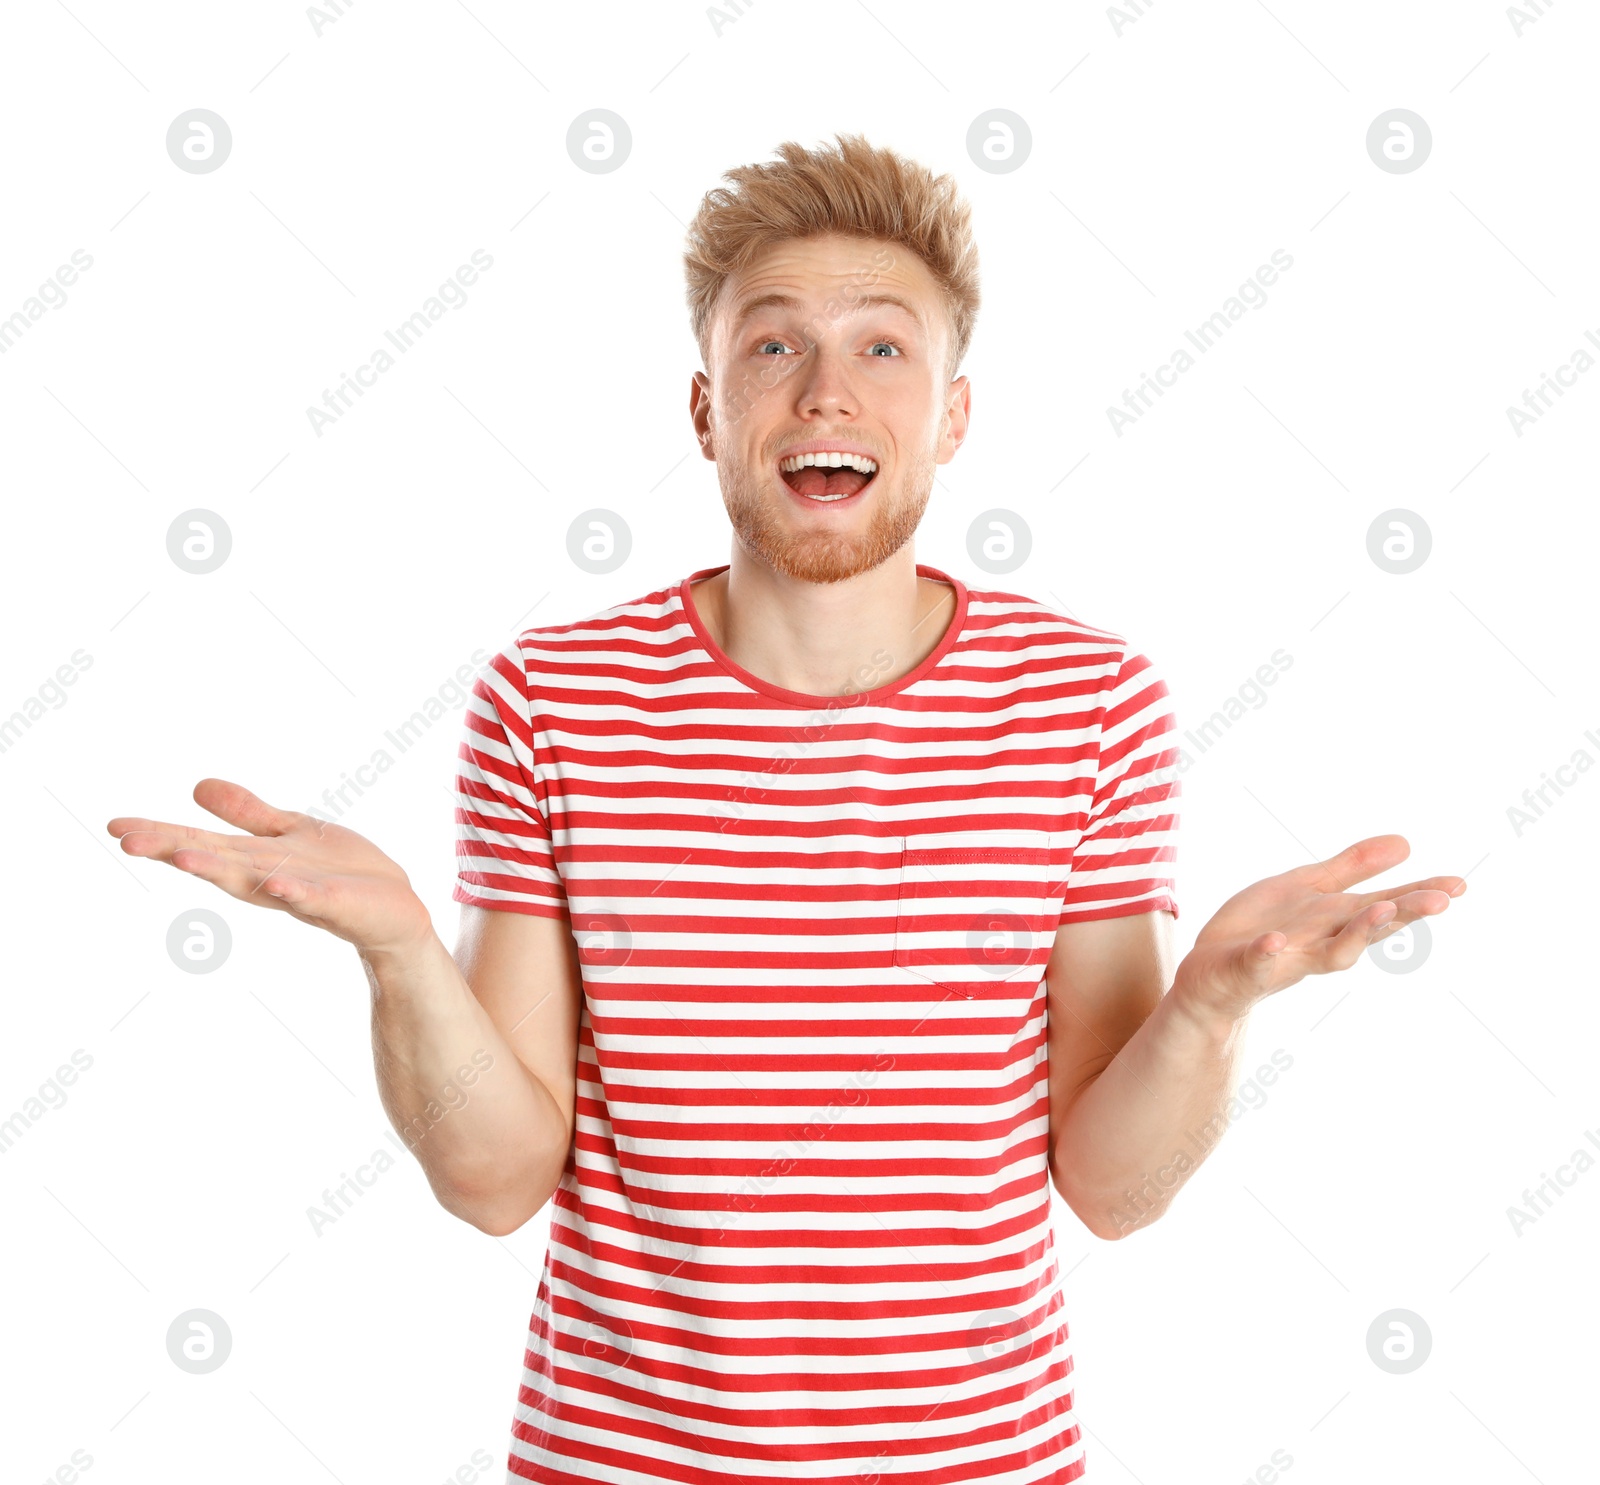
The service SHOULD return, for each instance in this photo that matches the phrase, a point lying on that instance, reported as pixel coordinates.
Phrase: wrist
(1211, 1012)
(402, 949)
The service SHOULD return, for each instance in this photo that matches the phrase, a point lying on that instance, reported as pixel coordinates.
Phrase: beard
(754, 497)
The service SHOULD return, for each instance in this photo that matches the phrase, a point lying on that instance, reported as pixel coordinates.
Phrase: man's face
(823, 363)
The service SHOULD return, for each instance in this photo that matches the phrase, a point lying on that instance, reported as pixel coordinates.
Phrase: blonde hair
(853, 189)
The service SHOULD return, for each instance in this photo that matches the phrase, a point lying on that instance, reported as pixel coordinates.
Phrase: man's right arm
(476, 1055)
(505, 1007)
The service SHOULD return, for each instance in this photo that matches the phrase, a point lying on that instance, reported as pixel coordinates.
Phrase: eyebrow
(787, 301)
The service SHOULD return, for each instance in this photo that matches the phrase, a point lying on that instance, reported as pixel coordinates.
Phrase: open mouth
(825, 482)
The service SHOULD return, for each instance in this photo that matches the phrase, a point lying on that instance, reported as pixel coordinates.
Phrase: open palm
(319, 872)
(1304, 922)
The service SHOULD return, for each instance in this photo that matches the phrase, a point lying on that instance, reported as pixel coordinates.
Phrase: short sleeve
(505, 855)
(1125, 860)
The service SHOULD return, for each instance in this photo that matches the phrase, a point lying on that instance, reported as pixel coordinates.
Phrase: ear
(700, 413)
(957, 416)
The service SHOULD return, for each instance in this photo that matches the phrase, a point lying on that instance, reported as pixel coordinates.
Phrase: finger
(160, 838)
(1449, 886)
(236, 877)
(1353, 940)
(1375, 922)
(1366, 858)
(1423, 903)
(238, 806)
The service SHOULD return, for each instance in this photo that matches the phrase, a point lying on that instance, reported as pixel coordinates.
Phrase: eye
(898, 351)
(761, 349)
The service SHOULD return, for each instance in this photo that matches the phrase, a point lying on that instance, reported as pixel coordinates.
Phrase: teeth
(829, 461)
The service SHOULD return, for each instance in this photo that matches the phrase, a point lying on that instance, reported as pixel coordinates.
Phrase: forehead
(813, 270)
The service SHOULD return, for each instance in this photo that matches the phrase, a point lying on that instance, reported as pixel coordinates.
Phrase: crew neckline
(724, 662)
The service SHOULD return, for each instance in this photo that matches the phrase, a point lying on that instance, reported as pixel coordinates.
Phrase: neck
(826, 639)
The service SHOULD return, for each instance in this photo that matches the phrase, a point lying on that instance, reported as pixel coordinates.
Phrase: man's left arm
(1142, 1054)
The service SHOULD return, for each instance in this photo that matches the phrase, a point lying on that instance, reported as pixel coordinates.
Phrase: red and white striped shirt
(804, 1230)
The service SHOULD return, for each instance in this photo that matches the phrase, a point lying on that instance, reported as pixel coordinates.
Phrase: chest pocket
(974, 907)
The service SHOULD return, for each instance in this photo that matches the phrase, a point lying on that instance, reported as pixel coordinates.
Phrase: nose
(822, 385)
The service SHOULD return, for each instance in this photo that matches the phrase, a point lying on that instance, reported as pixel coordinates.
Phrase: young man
(817, 921)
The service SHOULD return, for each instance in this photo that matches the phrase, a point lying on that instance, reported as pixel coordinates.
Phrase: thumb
(308, 899)
(238, 806)
(1254, 959)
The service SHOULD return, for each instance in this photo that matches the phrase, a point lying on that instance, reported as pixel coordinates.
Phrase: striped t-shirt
(804, 1229)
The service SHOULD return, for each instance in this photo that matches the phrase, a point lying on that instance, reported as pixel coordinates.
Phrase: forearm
(1141, 1127)
(488, 1134)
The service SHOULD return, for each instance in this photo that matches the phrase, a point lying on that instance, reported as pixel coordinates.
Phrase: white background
(1170, 156)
